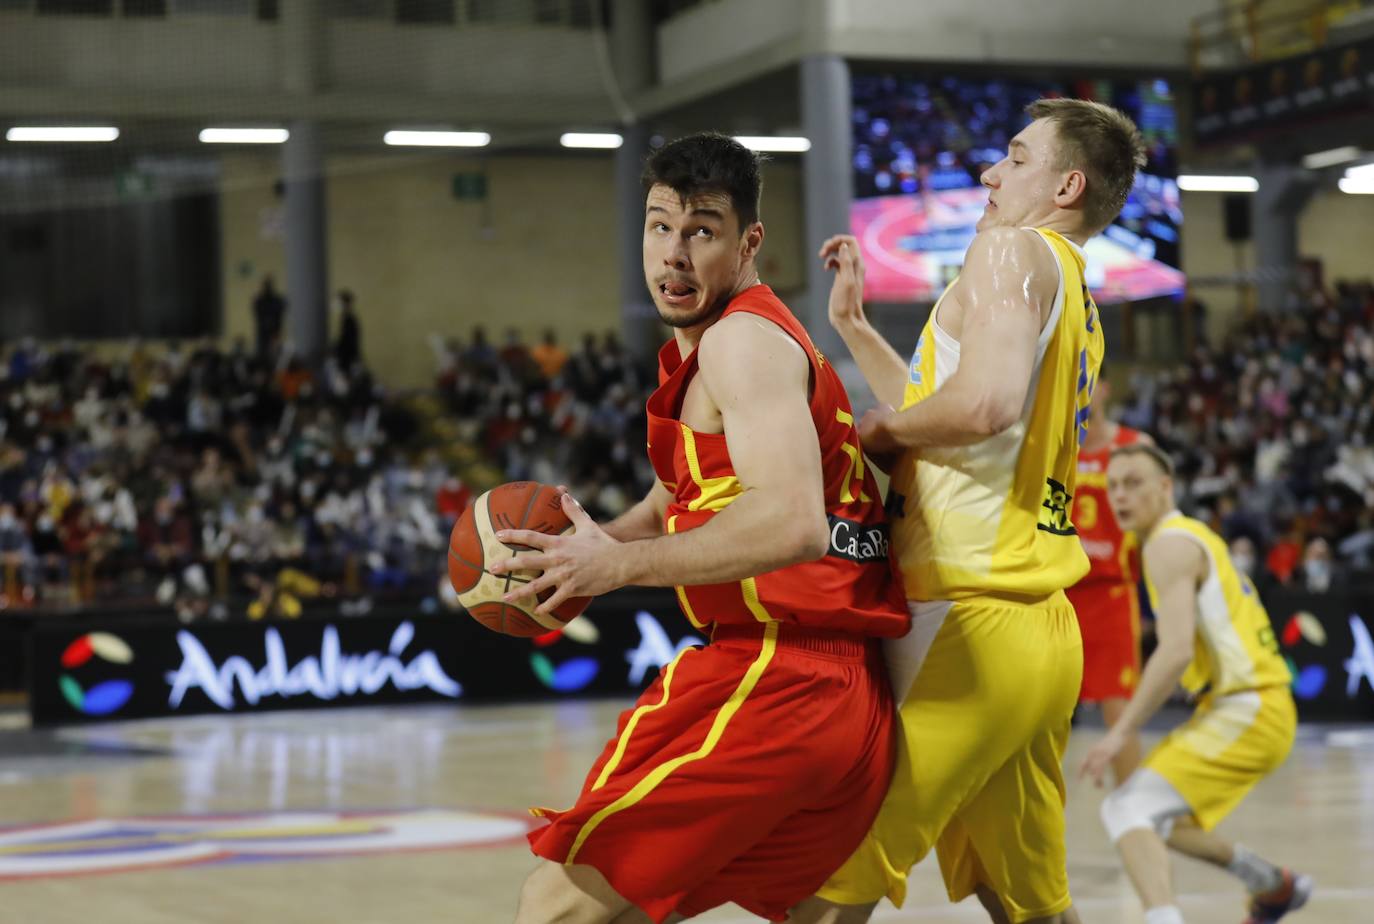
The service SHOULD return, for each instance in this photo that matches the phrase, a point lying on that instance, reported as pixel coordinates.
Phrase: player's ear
(752, 239)
(1073, 188)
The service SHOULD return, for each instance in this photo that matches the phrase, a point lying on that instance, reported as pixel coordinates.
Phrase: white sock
(1164, 914)
(1258, 874)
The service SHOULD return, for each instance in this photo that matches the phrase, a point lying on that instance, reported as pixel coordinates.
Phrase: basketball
(473, 544)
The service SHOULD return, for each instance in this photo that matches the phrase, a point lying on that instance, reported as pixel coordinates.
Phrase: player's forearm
(882, 367)
(1157, 682)
(642, 521)
(949, 417)
(756, 534)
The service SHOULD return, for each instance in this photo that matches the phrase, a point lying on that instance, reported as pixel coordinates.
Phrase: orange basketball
(473, 543)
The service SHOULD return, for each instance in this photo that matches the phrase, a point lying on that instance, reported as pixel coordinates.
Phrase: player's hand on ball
(1099, 757)
(582, 563)
(841, 253)
(875, 433)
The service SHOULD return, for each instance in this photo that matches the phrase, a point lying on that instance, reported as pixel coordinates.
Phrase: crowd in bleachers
(165, 472)
(1273, 432)
(545, 414)
(189, 474)
(185, 472)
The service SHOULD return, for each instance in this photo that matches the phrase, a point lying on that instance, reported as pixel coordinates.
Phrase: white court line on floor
(972, 910)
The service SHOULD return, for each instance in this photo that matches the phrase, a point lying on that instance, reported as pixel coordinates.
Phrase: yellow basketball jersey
(994, 517)
(1234, 647)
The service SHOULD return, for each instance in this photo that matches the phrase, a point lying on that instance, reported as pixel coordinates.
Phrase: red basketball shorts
(747, 773)
(1109, 621)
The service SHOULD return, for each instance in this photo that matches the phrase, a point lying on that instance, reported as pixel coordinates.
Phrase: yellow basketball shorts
(1230, 744)
(984, 722)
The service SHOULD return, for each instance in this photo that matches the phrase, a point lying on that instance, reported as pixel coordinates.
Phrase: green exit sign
(469, 186)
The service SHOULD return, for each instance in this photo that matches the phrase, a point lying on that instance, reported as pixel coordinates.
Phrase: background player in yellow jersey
(994, 403)
(1213, 631)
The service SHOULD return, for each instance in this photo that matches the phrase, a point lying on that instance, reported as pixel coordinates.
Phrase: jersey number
(853, 483)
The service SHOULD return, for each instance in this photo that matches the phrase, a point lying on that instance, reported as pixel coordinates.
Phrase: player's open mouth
(677, 293)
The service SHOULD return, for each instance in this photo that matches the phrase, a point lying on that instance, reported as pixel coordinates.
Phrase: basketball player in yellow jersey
(1213, 632)
(993, 406)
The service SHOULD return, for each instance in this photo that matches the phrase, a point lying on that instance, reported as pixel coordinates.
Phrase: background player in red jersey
(753, 766)
(1107, 600)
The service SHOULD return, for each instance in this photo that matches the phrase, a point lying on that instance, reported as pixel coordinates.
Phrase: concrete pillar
(1284, 191)
(640, 328)
(307, 275)
(828, 183)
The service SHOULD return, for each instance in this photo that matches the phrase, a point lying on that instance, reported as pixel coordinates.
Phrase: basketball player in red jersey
(753, 766)
(1106, 599)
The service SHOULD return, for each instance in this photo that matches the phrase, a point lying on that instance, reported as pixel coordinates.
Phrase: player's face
(695, 256)
(1021, 186)
(1138, 491)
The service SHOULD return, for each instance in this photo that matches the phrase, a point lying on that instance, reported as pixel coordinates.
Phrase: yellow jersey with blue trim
(1234, 648)
(993, 518)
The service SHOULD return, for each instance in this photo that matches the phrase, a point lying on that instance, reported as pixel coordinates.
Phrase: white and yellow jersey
(1234, 647)
(993, 518)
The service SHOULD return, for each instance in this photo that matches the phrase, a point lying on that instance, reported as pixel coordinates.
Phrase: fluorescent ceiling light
(1332, 157)
(427, 139)
(244, 135)
(779, 144)
(62, 133)
(1362, 172)
(590, 140)
(1362, 186)
(1200, 183)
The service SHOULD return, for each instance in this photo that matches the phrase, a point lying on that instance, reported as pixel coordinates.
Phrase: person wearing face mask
(1319, 572)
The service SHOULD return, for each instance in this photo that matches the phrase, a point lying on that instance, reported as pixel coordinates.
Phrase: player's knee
(1124, 811)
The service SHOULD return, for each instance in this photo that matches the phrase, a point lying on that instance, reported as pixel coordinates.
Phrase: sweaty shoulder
(1016, 257)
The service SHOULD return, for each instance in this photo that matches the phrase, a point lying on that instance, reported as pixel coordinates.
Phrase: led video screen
(921, 142)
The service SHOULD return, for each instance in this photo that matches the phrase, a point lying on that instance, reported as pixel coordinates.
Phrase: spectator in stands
(348, 348)
(549, 356)
(268, 309)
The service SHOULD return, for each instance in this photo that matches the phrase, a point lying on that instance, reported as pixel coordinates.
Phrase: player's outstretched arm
(1008, 281)
(1176, 567)
(644, 520)
(882, 368)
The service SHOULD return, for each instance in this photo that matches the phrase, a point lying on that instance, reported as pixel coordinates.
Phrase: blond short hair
(1103, 143)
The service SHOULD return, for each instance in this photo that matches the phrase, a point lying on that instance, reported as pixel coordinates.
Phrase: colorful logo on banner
(105, 697)
(114, 845)
(575, 673)
(1359, 667)
(655, 648)
(334, 673)
(1309, 680)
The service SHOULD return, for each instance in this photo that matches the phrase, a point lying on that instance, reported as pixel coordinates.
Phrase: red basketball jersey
(853, 588)
(1112, 554)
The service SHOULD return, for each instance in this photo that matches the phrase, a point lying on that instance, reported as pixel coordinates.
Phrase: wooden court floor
(411, 815)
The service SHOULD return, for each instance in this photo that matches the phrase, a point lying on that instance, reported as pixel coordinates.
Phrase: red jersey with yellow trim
(853, 588)
(1112, 554)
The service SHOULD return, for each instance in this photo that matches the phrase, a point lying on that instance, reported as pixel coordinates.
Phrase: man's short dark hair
(708, 162)
(1160, 457)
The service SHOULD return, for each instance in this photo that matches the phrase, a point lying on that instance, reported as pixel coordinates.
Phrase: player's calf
(576, 894)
